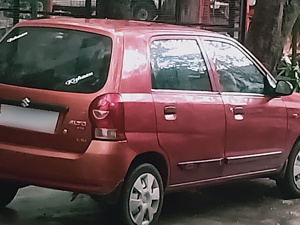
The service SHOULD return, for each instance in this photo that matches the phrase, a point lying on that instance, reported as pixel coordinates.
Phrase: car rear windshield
(55, 59)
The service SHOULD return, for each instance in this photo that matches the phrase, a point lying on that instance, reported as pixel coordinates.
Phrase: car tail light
(107, 117)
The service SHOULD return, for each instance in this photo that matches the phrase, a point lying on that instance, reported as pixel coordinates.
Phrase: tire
(289, 185)
(144, 11)
(7, 193)
(140, 202)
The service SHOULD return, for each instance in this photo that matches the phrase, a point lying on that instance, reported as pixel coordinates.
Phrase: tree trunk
(270, 27)
(295, 32)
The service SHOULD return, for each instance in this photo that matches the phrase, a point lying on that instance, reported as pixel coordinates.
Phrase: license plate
(28, 118)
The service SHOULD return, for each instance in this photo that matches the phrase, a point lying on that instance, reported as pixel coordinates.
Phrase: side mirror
(283, 88)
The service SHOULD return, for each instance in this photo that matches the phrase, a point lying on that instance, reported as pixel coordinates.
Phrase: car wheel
(289, 185)
(142, 196)
(7, 193)
(144, 11)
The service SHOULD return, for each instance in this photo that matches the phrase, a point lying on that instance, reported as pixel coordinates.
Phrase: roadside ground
(246, 203)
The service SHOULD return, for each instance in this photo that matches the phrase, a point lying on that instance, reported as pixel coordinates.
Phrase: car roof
(111, 25)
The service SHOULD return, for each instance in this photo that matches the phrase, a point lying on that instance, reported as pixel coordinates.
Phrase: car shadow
(210, 201)
(205, 205)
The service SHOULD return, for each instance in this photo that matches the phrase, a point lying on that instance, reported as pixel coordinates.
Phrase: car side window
(178, 65)
(237, 73)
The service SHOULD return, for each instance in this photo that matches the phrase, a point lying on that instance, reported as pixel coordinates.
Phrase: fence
(12, 11)
(226, 16)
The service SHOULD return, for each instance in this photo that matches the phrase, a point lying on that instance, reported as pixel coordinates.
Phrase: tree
(270, 28)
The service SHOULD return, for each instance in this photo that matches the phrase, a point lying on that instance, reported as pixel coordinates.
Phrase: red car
(130, 110)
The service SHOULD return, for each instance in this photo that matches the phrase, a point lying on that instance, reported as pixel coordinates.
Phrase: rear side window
(55, 59)
(178, 65)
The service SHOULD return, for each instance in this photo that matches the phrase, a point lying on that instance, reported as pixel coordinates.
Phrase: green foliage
(287, 71)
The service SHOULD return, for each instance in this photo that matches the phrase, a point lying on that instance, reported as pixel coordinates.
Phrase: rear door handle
(238, 110)
(170, 112)
(170, 109)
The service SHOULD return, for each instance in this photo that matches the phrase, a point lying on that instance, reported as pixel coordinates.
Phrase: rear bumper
(99, 170)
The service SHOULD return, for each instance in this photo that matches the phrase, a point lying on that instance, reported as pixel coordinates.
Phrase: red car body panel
(202, 137)
(265, 120)
(188, 139)
(92, 172)
(293, 113)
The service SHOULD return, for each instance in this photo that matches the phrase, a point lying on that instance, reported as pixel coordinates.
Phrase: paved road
(250, 202)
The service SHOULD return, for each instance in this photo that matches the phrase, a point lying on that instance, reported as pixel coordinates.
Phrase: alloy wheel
(296, 170)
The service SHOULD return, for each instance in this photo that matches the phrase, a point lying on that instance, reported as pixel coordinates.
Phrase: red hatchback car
(130, 110)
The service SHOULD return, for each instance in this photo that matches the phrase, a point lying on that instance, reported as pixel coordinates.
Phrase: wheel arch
(155, 159)
(282, 172)
(296, 142)
(287, 184)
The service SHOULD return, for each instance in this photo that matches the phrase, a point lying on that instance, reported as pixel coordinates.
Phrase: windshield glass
(55, 59)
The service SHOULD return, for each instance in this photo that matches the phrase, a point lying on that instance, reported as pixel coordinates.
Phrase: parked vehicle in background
(141, 9)
(79, 3)
(146, 9)
(127, 110)
(219, 8)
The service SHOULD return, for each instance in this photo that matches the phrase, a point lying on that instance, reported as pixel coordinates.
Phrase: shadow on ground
(246, 202)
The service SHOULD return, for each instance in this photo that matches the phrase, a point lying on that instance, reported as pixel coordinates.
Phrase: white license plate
(29, 119)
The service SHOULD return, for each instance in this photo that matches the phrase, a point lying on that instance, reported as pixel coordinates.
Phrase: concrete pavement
(247, 203)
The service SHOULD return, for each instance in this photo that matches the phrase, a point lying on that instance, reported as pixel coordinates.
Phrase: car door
(190, 115)
(256, 124)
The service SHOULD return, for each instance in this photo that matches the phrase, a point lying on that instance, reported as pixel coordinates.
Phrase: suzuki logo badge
(25, 102)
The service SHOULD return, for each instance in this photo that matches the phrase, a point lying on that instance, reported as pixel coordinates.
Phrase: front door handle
(170, 112)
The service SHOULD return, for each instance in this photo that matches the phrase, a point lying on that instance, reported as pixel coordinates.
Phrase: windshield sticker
(79, 78)
(16, 37)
